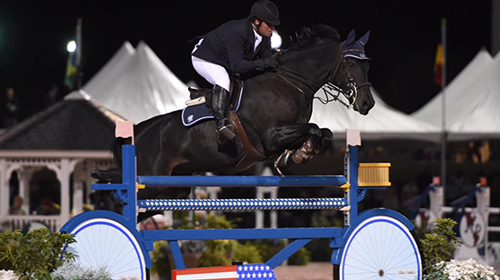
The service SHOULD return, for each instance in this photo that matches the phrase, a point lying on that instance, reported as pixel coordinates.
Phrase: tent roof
(382, 122)
(431, 112)
(137, 85)
(479, 116)
(112, 66)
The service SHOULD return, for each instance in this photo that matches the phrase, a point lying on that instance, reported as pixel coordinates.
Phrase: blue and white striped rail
(241, 204)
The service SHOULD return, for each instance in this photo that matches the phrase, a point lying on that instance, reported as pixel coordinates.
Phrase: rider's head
(264, 16)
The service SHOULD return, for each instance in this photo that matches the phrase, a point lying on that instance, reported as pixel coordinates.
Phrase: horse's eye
(351, 64)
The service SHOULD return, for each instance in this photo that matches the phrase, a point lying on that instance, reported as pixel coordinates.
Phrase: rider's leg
(220, 101)
(218, 76)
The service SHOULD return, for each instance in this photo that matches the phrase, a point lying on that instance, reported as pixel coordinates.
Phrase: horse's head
(318, 59)
(353, 75)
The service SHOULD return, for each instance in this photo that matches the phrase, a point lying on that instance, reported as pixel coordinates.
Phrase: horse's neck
(313, 64)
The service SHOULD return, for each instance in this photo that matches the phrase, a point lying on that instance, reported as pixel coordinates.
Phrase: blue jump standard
(126, 192)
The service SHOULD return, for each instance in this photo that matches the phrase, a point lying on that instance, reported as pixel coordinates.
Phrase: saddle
(204, 95)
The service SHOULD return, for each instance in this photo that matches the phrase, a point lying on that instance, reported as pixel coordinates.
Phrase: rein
(284, 73)
(329, 89)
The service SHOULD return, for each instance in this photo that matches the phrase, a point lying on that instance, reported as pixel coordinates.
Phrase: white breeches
(213, 73)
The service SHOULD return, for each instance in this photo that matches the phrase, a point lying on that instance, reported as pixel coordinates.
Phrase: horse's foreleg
(325, 143)
(300, 142)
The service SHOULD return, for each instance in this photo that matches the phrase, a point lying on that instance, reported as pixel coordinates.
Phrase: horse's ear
(363, 40)
(350, 38)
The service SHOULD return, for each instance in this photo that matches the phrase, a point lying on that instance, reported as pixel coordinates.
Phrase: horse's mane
(313, 35)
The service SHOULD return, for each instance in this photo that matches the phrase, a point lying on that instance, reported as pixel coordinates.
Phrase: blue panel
(211, 234)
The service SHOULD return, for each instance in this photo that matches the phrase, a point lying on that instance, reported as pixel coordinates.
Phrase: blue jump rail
(242, 181)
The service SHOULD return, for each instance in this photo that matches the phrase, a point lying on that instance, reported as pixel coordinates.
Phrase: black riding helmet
(265, 10)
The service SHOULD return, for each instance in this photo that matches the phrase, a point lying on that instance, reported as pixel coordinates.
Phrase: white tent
(112, 66)
(382, 122)
(137, 85)
(477, 111)
(468, 98)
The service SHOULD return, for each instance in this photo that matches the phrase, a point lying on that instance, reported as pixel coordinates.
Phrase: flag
(438, 66)
(71, 71)
(234, 272)
(72, 78)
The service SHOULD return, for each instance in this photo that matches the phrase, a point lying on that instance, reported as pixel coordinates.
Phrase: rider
(235, 47)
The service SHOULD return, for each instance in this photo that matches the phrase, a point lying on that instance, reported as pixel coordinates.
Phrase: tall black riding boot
(220, 101)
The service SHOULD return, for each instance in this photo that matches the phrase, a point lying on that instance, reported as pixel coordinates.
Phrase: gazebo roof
(75, 124)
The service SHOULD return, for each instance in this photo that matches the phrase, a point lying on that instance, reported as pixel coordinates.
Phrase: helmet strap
(258, 25)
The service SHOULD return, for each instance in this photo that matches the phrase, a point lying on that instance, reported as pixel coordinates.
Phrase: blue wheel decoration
(105, 243)
(380, 247)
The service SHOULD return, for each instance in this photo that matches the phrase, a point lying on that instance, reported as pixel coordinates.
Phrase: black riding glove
(270, 64)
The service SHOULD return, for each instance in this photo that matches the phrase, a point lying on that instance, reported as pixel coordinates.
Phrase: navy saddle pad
(197, 113)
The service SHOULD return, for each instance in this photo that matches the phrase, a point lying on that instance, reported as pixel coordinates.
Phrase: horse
(275, 111)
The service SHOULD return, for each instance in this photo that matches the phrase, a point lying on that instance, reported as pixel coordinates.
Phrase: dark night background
(404, 36)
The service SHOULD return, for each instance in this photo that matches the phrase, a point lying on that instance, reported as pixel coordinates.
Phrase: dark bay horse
(275, 113)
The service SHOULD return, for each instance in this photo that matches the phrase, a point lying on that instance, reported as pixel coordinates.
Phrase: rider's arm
(234, 45)
(267, 51)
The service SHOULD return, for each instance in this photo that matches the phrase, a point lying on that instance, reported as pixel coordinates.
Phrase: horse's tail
(105, 200)
(113, 175)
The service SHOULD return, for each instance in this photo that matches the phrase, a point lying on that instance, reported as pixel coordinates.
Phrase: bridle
(331, 90)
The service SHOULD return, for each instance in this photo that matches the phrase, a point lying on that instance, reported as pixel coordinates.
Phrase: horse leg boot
(305, 153)
(220, 101)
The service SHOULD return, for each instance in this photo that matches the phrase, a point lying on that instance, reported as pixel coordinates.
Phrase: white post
(274, 213)
(483, 207)
(436, 201)
(24, 175)
(259, 214)
(63, 176)
(88, 182)
(4, 190)
(77, 191)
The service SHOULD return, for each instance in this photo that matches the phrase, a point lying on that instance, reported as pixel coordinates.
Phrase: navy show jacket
(231, 45)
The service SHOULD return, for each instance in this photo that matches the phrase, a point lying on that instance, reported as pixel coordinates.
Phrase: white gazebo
(61, 145)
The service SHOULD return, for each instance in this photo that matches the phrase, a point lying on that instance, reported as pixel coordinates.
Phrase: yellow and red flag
(438, 66)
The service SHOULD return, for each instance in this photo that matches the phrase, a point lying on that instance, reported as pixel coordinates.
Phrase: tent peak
(127, 46)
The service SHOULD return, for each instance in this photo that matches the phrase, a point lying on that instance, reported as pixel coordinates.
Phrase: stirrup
(227, 132)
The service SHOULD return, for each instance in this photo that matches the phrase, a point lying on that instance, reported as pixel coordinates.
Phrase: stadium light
(71, 46)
